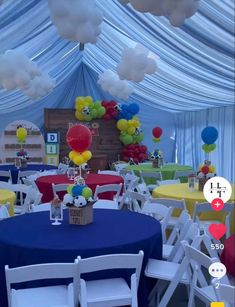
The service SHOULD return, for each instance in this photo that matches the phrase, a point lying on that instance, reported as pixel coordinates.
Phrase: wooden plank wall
(107, 143)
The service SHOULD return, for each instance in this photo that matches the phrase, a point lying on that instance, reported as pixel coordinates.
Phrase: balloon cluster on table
(87, 109)
(110, 82)
(76, 20)
(21, 134)
(176, 11)
(157, 133)
(77, 195)
(209, 135)
(79, 140)
(17, 71)
(22, 154)
(207, 170)
(135, 63)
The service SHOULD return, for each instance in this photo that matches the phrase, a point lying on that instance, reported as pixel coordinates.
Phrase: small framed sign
(56, 211)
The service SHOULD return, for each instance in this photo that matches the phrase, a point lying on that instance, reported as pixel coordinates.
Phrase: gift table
(168, 170)
(30, 167)
(44, 184)
(181, 191)
(30, 239)
(7, 196)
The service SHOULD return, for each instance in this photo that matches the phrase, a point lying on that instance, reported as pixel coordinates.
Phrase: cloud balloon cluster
(17, 71)
(111, 83)
(176, 11)
(76, 20)
(135, 63)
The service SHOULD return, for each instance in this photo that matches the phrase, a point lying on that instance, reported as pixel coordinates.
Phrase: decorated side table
(7, 196)
(181, 191)
(168, 170)
(44, 184)
(30, 239)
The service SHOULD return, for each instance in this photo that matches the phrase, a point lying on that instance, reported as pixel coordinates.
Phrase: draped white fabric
(195, 72)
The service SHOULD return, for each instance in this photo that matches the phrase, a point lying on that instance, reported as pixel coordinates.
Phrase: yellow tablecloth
(7, 196)
(181, 191)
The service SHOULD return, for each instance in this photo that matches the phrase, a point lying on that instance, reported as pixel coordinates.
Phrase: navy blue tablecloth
(30, 167)
(30, 239)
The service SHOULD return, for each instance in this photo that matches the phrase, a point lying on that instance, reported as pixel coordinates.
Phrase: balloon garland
(127, 123)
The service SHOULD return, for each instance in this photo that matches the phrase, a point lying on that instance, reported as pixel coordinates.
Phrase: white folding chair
(224, 293)
(120, 166)
(143, 189)
(63, 295)
(25, 202)
(104, 204)
(62, 168)
(29, 182)
(155, 176)
(112, 291)
(178, 233)
(25, 174)
(199, 286)
(170, 202)
(137, 201)
(175, 271)
(124, 172)
(128, 180)
(115, 188)
(124, 199)
(160, 213)
(6, 175)
(166, 182)
(206, 207)
(41, 207)
(180, 174)
(108, 172)
(5, 185)
(56, 188)
(4, 213)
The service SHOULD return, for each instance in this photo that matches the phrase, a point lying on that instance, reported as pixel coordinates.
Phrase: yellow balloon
(87, 155)
(79, 115)
(72, 154)
(78, 160)
(88, 100)
(131, 130)
(21, 134)
(212, 169)
(122, 124)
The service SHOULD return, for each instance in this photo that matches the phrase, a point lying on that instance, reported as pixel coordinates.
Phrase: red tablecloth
(44, 184)
(228, 255)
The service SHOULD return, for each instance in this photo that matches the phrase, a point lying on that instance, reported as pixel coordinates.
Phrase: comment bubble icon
(217, 270)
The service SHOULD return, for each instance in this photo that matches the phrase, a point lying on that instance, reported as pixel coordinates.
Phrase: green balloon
(212, 147)
(87, 193)
(126, 139)
(69, 188)
(101, 111)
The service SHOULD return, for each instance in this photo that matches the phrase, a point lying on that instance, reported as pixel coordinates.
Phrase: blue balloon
(77, 190)
(209, 135)
(133, 108)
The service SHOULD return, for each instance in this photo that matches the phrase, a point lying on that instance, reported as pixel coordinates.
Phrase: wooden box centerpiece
(81, 215)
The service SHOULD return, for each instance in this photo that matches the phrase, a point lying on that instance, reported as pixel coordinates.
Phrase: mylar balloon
(209, 135)
(79, 138)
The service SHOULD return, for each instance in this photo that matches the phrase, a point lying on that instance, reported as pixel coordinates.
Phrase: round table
(31, 238)
(167, 171)
(30, 167)
(44, 184)
(7, 196)
(181, 191)
(228, 255)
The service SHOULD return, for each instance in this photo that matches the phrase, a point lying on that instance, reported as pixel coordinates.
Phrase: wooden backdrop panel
(106, 143)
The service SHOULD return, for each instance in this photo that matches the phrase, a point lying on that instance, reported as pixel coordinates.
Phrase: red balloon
(79, 138)
(205, 169)
(157, 132)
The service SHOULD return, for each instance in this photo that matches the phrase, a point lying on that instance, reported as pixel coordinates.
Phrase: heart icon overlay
(217, 230)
